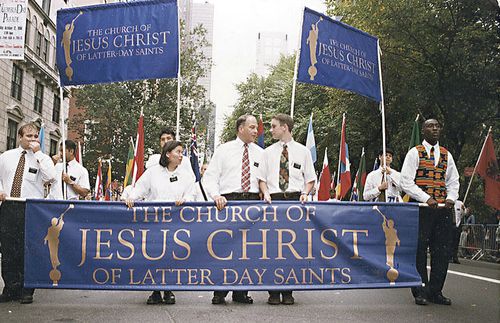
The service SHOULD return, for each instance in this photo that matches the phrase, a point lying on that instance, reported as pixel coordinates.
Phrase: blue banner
(245, 246)
(337, 55)
(118, 42)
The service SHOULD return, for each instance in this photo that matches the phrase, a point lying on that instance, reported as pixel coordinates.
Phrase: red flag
(260, 133)
(107, 193)
(324, 181)
(139, 151)
(77, 153)
(344, 182)
(98, 182)
(487, 168)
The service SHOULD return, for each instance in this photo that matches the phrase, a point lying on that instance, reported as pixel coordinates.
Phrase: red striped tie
(245, 170)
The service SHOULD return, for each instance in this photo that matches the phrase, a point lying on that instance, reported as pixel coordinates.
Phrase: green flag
(415, 134)
(130, 164)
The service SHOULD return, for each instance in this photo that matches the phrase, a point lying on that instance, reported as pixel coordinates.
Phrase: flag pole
(477, 162)
(178, 124)
(63, 135)
(382, 109)
(340, 153)
(295, 70)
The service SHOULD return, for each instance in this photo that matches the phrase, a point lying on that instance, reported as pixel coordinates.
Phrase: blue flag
(118, 42)
(41, 137)
(337, 55)
(310, 141)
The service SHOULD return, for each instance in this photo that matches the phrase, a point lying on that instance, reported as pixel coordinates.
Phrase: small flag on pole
(130, 164)
(359, 183)
(487, 168)
(260, 133)
(344, 177)
(415, 134)
(139, 151)
(98, 182)
(310, 142)
(324, 181)
(41, 137)
(195, 165)
(107, 194)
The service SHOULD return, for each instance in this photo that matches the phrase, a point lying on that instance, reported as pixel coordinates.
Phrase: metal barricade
(492, 241)
(471, 241)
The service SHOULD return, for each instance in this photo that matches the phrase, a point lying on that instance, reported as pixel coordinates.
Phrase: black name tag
(295, 165)
(33, 170)
(73, 178)
(173, 179)
(256, 164)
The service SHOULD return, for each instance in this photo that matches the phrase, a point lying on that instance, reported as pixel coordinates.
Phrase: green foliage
(112, 110)
(439, 59)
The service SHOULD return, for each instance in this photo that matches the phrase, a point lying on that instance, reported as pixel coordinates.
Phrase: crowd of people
(238, 170)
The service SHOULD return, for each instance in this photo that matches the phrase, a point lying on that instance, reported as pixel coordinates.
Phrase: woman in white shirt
(166, 182)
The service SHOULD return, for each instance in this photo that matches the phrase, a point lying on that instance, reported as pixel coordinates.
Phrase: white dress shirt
(159, 184)
(77, 173)
(300, 167)
(373, 181)
(223, 174)
(153, 160)
(409, 171)
(38, 170)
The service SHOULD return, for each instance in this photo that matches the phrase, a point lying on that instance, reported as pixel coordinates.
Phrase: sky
(236, 26)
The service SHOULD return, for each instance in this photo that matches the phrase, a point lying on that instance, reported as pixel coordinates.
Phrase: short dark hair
(284, 119)
(168, 147)
(431, 118)
(70, 144)
(387, 150)
(241, 120)
(167, 131)
(29, 125)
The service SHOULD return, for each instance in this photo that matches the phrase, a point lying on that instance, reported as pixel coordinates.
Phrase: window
(56, 112)
(45, 50)
(38, 42)
(11, 134)
(17, 82)
(46, 6)
(38, 97)
(53, 147)
(27, 32)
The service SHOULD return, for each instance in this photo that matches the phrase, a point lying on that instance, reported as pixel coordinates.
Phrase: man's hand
(449, 204)
(129, 203)
(35, 146)
(383, 186)
(220, 202)
(3, 196)
(179, 202)
(432, 203)
(303, 198)
(67, 179)
(267, 197)
(386, 170)
(56, 158)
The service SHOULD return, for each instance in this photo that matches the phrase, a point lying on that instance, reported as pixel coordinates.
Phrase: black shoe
(4, 298)
(420, 300)
(241, 298)
(274, 299)
(456, 261)
(440, 299)
(287, 299)
(155, 298)
(168, 297)
(216, 300)
(26, 299)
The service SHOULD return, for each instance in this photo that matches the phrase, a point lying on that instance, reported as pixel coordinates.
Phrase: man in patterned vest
(429, 175)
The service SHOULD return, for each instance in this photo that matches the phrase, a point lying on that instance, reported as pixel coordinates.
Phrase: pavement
(474, 288)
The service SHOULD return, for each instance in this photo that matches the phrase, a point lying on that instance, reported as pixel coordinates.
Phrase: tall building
(270, 47)
(30, 88)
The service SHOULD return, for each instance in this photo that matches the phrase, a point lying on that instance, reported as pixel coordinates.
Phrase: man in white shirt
(378, 189)
(287, 174)
(23, 173)
(429, 175)
(231, 175)
(74, 179)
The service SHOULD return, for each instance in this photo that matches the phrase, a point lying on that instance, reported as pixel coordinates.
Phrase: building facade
(270, 47)
(30, 88)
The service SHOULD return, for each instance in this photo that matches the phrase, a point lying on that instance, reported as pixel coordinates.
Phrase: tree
(112, 110)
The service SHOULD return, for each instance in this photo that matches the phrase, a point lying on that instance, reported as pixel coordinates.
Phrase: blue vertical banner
(248, 245)
(337, 55)
(118, 42)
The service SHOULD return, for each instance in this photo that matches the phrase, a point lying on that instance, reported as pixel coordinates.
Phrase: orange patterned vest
(431, 179)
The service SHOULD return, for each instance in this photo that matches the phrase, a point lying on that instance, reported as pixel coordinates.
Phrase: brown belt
(242, 196)
(286, 196)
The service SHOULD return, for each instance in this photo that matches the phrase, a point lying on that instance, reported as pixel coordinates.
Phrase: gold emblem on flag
(391, 240)
(312, 41)
(52, 238)
(66, 43)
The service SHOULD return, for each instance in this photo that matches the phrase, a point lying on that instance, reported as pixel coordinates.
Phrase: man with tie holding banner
(232, 175)
(429, 175)
(23, 173)
(287, 173)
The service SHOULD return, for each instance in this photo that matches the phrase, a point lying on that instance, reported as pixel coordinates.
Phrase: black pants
(12, 247)
(455, 239)
(241, 197)
(435, 229)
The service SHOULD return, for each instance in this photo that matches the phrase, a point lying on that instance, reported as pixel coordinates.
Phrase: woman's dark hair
(168, 147)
